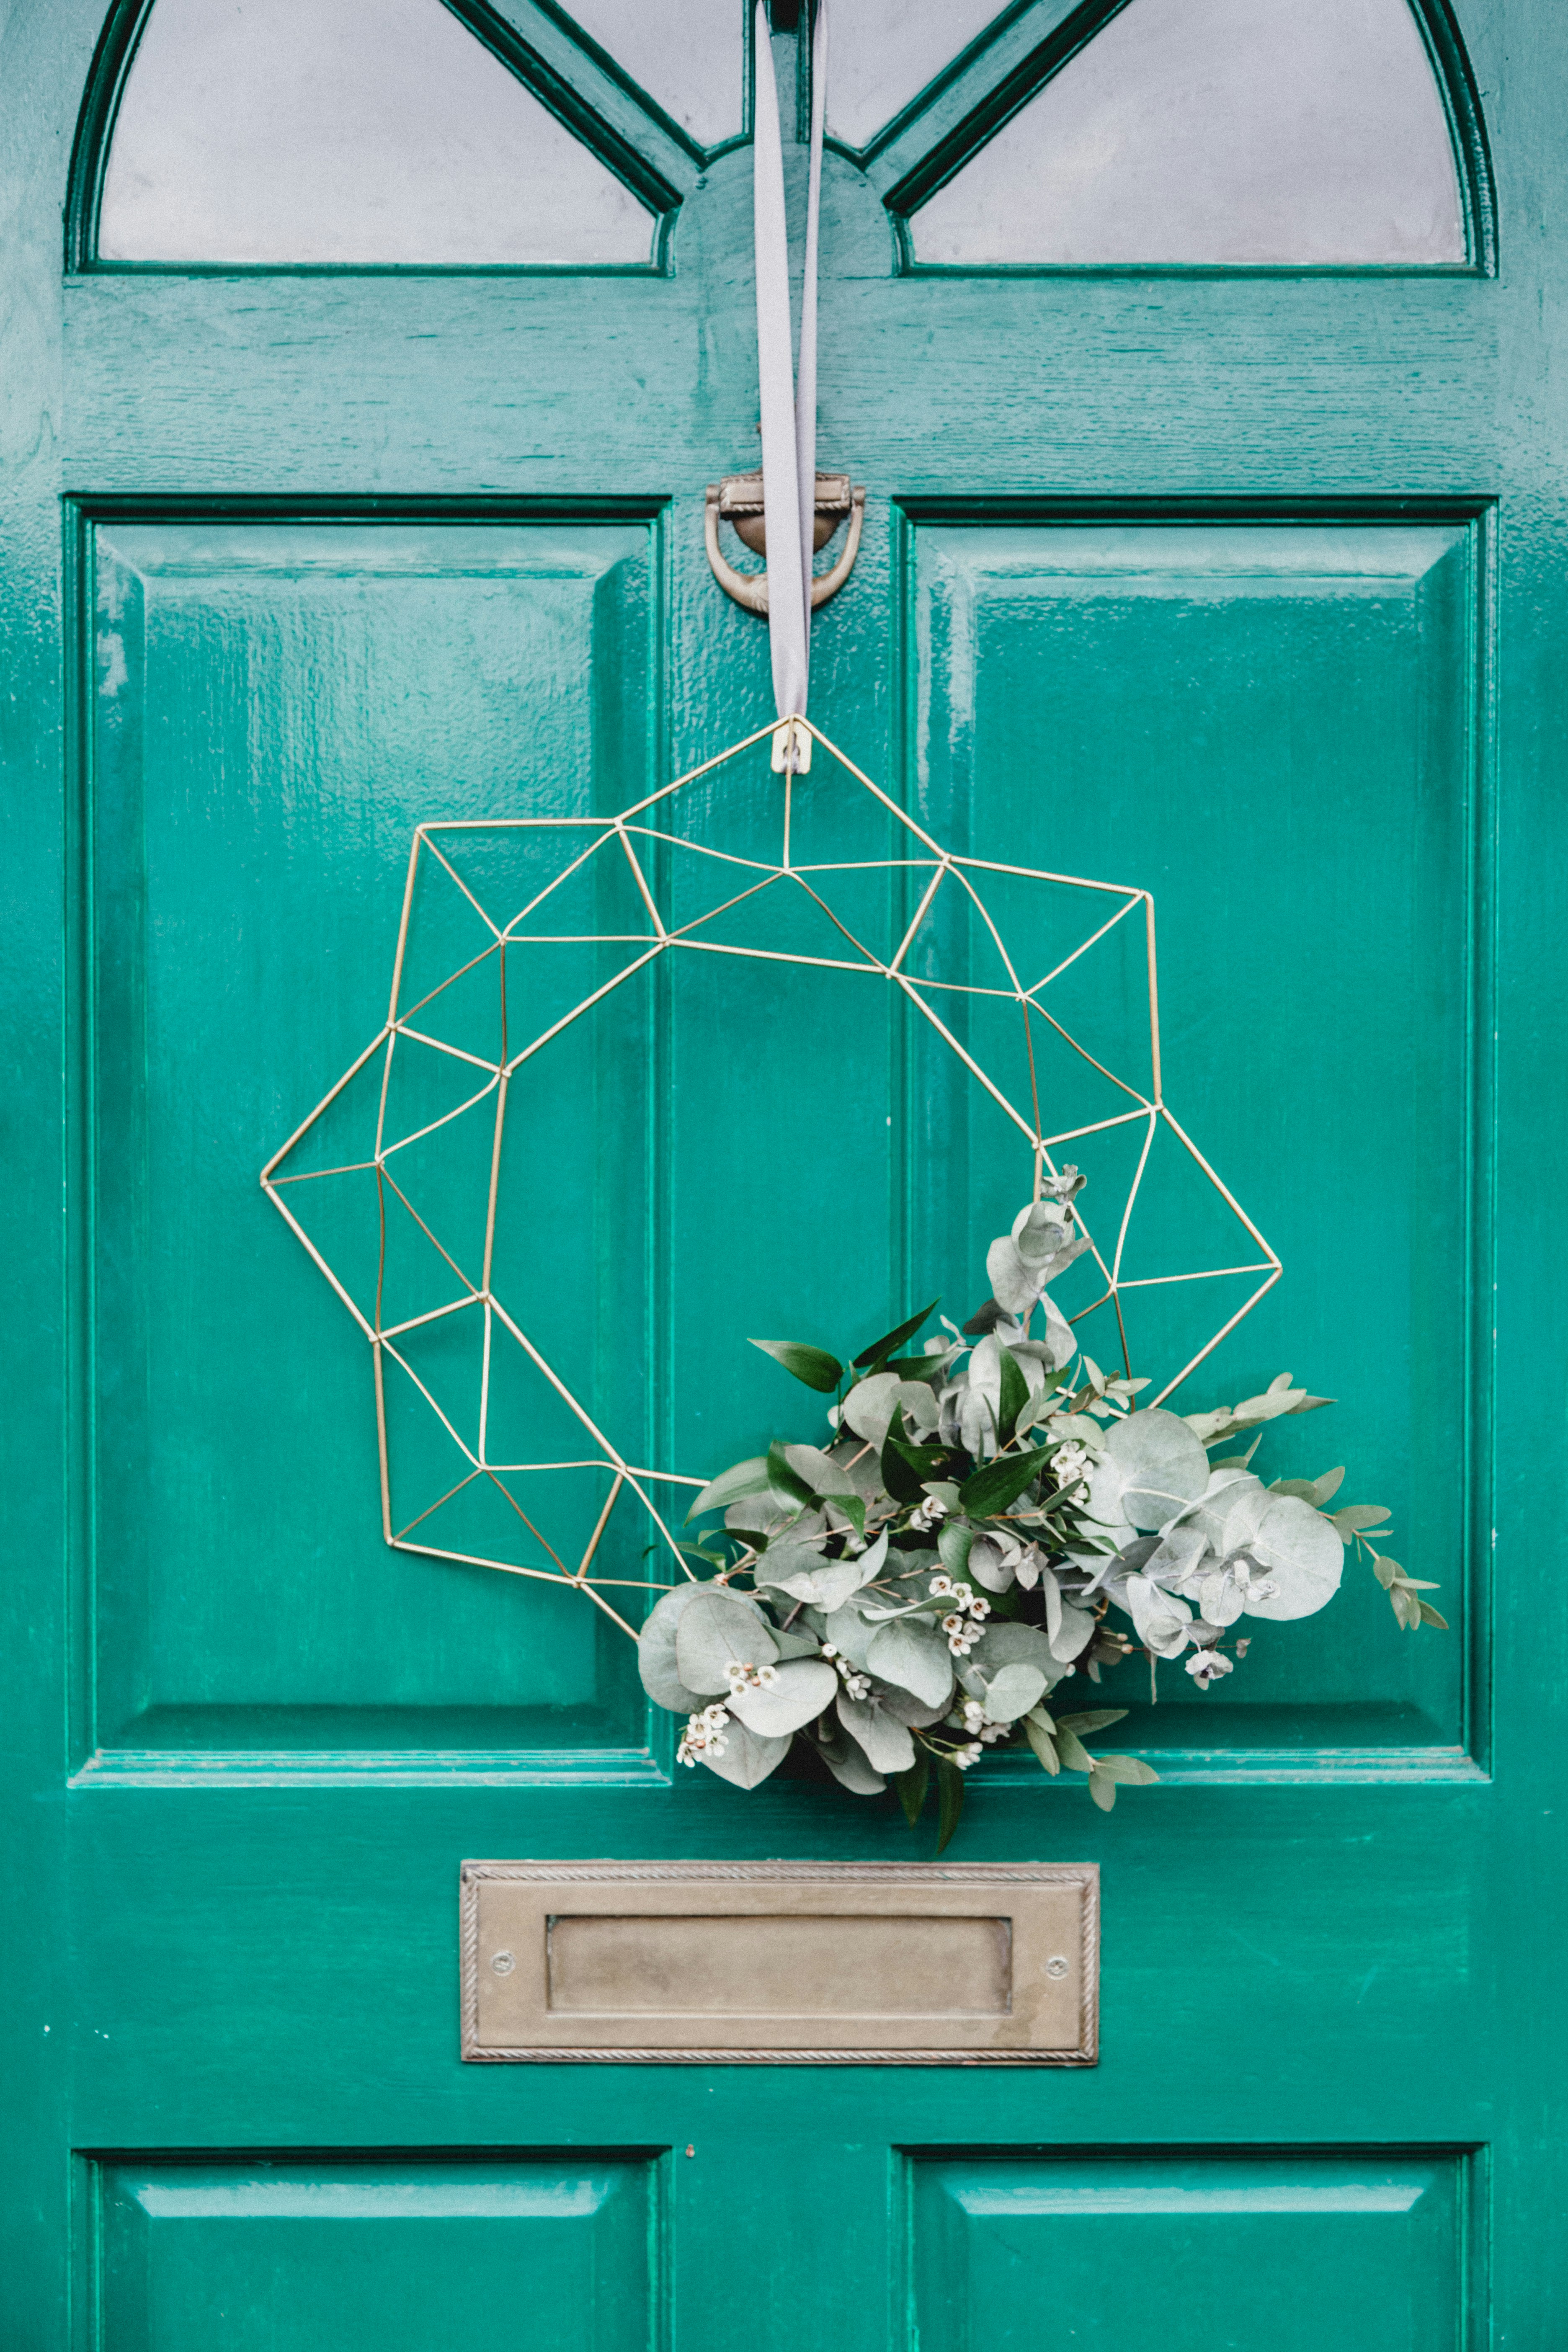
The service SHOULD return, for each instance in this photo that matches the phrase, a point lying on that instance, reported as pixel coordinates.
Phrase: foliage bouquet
(989, 1517)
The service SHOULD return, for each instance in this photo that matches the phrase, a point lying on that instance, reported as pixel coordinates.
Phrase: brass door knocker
(738, 500)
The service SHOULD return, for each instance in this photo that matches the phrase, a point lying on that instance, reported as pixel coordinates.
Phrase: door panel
(275, 707)
(1191, 2249)
(1273, 726)
(263, 2256)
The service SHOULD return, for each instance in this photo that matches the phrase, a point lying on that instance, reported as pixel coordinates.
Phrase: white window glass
(346, 131)
(885, 52)
(688, 56)
(1218, 130)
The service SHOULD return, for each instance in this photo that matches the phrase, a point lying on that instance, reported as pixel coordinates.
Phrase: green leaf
(912, 1786)
(1129, 1769)
(907, 1468)
(714, 1629)
(954, 1543)
(1103, 1789)
(1015, 1395)
(820, 1471)
(990, 1490)
(914, 1656)
(1011, 1691)
(949, 1801)
(903, 1479)
(736, 1485)
(1356, 1516)
(814, 1366)
(880, 1349)
(1094, 1718)
(1071, 1751)
(1429, 1616)
(785, 1483)
(1042, 1743)
(749, 1757)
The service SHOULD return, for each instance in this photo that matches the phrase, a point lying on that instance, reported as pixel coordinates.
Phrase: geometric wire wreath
(513, 930)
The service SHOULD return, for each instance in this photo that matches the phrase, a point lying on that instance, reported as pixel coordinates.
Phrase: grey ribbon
(788, 395)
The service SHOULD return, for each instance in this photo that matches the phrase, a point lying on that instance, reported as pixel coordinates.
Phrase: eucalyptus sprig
(988, 1516)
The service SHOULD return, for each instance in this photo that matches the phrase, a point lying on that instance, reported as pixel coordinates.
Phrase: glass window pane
(1219, 131)
(885, 52)
(686, 55)
(346, 131)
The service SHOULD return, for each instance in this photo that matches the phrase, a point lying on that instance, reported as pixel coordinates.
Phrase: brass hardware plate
(966, 1964)
(738, 500)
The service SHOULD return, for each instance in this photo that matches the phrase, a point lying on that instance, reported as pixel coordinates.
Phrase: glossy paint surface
(1245, 587)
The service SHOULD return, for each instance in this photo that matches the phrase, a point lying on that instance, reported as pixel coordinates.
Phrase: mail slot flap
(846, 1963)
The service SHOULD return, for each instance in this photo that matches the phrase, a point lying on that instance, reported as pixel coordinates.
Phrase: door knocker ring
(738, 500)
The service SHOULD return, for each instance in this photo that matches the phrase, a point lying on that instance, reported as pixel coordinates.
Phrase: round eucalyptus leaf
(1073, 1635)
(715, 1630)
(885, 1740)
(987, 1565)
(748, 1757)
(849, 1633)
(820, 1471)
(913, 1656)
(1005, 1644)
(1300, 1553)
(1231, 1512)
(902, 1705)
(1163, 1620)
(1013, 1691)
(848, 1763)
(868, 1407)
(803, 1689)
(655, 1652)
(1220, 1597)
(1157, 1464)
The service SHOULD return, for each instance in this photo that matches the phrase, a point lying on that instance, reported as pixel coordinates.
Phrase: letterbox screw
(503, 1964)
(1057, 1966)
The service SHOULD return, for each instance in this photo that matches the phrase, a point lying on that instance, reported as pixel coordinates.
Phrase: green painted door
(1234, 572)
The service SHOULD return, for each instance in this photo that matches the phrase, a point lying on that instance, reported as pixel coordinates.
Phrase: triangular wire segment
(1270, 135)
(333, 131)
(465, 1012)
(441, 1184)
(552, 985)
(443, 1359)
(338, 1219)
(447, 934)
(429, 1083)
(1181, 1223)
(598, 894)
(343, 1128)
(781, 918)
(502, 1245)
(512, 871)
(532, 1416)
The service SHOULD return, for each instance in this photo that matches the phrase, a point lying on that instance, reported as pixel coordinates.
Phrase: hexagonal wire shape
(532, 899)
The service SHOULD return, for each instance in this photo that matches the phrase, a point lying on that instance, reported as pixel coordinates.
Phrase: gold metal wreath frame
(638, 834)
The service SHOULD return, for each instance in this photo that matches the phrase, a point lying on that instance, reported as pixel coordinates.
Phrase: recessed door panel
(1271, 726)
(275, 708)
(373, 2256)
(1186, 2251)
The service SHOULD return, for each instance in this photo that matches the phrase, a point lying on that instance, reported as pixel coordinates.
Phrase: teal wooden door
(1236, 575)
